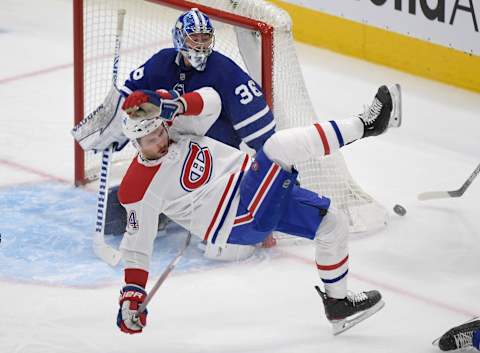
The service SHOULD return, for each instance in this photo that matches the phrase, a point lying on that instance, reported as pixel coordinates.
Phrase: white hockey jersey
(195, 185)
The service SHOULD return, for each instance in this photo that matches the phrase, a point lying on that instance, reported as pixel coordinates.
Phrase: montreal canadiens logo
(197, 168)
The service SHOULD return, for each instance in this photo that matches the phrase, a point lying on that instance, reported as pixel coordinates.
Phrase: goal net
(255, 34)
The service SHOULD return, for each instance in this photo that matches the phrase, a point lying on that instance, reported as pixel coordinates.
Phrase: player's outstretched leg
(300, 144)
(461, 337)
(343, 309)
(384, 112)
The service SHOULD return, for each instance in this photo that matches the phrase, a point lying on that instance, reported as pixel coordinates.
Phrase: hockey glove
(131, 296)
(103, 126)
(172, 104)
(149, 104)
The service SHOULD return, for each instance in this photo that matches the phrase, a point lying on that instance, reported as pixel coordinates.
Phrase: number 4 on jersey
(132, 220)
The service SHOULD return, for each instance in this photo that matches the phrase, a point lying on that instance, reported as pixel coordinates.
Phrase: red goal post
(265, 30)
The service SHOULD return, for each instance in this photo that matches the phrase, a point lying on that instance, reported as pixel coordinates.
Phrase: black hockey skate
(460, 337)
(353, 309)
(384, 112)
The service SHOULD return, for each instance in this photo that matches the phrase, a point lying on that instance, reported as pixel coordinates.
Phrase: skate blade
(340, 326)
(396, 117)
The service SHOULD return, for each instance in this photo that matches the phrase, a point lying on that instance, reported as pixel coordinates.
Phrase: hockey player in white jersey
(223, 196)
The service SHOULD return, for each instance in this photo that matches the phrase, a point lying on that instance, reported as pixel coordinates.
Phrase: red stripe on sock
(332, 267)
(323, 137)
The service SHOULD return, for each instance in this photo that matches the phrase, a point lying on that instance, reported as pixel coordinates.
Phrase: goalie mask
(194, 37)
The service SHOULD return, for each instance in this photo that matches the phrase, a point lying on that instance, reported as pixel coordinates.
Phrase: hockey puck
(400, 210)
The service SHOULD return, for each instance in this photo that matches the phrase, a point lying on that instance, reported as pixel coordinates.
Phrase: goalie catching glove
(102, 127)
(131, 297)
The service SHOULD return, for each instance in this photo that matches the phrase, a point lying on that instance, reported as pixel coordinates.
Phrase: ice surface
(57, 297)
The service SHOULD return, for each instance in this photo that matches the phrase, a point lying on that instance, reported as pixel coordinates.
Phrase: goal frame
(265, 30)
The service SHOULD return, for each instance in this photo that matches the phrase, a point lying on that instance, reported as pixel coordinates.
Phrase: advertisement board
(450, 23)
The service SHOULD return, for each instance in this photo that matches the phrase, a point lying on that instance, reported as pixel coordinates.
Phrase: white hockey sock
(331, 253)
(290, 146)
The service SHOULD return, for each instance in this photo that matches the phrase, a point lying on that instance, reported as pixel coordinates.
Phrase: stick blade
(104, 251)
(396, 116)
(432, 195)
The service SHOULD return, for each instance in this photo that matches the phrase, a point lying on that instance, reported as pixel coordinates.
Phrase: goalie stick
(108, 254)
(430, 195)
(162, 278)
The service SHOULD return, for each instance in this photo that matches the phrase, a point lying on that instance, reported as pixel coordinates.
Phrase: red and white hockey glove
(131, 296)
(147, 104)
(166, 104)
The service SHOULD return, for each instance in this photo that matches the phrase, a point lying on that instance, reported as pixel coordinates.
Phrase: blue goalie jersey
(245, 115)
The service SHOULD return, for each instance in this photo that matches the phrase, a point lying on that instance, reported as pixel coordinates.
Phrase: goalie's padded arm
(192, 103)
(203, 107)
(201, 102)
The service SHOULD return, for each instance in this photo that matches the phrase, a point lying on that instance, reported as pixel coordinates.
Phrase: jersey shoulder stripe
(136, 182)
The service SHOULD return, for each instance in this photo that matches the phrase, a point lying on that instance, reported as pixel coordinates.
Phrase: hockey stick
(108, 254)
(162, 278)
(430, 195)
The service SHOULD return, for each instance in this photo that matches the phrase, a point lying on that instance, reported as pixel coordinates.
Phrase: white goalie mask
(194, 37)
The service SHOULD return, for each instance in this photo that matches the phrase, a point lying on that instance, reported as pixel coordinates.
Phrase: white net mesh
(147, 29)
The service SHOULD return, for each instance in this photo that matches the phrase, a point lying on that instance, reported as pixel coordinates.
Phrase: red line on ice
(35, 73)
(69, 65)
(33, 171)
(389, 287)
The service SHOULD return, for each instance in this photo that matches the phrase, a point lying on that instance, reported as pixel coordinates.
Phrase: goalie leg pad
(228, 252)
(116, 216)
